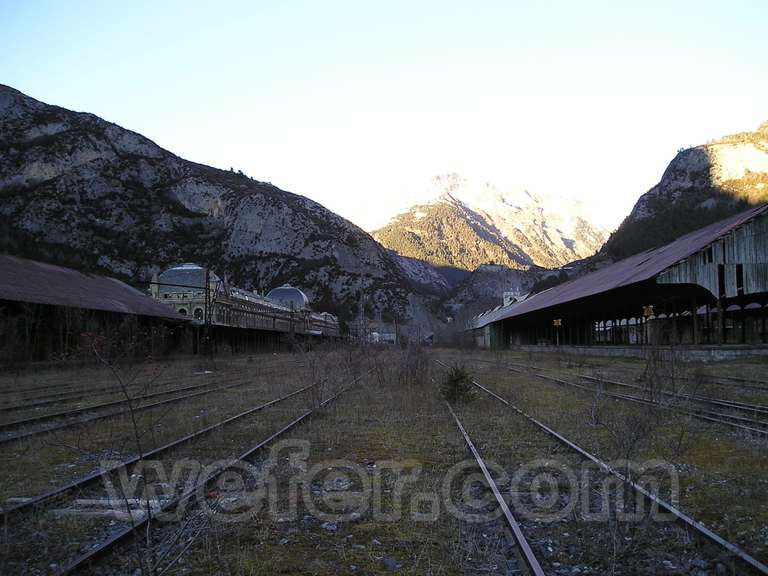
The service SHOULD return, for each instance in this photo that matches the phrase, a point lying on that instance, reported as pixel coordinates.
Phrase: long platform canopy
(34, 282)
(632, 270)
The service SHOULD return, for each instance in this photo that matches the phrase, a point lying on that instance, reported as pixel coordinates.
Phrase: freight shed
(51, 312)
(707, 287)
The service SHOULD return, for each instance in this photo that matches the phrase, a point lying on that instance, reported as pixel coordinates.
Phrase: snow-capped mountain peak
(473, 223)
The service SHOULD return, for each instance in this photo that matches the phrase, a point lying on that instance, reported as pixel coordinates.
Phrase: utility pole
(557, 322)
(363, 330)
(647, 313)
(291, 332)
(394, 318)
(208, 314)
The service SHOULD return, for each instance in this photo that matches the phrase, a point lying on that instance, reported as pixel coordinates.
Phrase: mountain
(81, 191)
(423, 276)
(701, 185)
(468, 225)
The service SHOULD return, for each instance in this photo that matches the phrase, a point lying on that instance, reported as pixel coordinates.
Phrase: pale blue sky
(358, 104)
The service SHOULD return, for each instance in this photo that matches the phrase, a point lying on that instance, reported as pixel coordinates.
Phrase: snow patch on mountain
(469, 223)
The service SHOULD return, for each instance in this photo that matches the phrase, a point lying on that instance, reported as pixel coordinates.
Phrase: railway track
(751, 425)
(7, 429)
(8, 512)
(745, 380)
(735, 382)
(525, 554)
(746, 560)
(102, 539)
(744, 407)
(38, 401)
(62, 388)
(117, 390)
(57, 392)
(742, 416)
(722, 381)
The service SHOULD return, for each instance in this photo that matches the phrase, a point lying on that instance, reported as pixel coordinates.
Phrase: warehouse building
(707, 287)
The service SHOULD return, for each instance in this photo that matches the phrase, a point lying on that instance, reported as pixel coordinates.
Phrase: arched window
(198, 313)
(183, 311)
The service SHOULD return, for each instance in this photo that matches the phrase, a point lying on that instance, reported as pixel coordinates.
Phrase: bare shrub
(413, 368)
(597, 400)
(316, 376)
(662, 371)
(630, 430)
(695, 383)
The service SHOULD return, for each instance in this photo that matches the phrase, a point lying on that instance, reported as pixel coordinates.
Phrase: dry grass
(48, 460)
(395, 415)
(722, 472)
(41, 465)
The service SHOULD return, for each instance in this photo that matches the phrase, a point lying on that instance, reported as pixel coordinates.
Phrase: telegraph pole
(207, 318)
(647, 313)
(291, 330)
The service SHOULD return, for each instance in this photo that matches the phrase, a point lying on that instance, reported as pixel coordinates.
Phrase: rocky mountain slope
(701, 185)
(469, 225)
(484, 288)
(78, 190)
(422, 276)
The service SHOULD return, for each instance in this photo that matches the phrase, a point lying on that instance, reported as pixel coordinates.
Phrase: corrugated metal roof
(631, 270)
(35, 282)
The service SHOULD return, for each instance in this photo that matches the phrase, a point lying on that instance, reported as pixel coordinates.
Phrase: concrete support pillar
(695, 322)
(743, 315)
(708, 320)
(721, 319)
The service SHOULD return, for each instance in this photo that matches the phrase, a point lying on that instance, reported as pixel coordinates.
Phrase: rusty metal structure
(707, 287)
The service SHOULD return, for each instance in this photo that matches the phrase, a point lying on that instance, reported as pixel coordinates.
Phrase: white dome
(289, 296)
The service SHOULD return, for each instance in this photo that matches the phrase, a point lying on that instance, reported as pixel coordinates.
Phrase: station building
(242, 318)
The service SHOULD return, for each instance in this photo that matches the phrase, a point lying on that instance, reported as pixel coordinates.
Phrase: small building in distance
(382, 337)
(707, 287)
